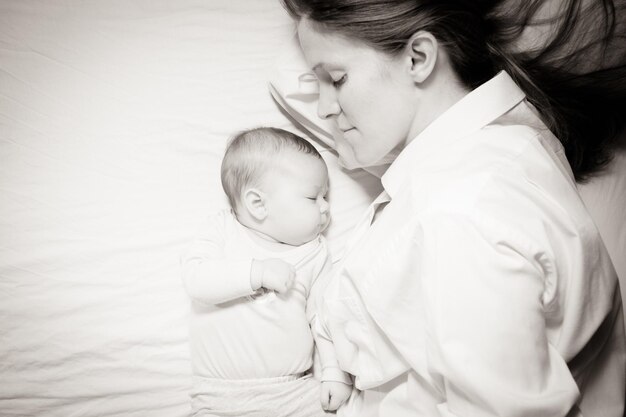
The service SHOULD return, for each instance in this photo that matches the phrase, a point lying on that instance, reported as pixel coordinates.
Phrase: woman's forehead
(313, 35)
(324, 49)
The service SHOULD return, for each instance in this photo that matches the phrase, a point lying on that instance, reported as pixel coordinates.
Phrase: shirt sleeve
(486, 324)
(330, 370)
(209, 276)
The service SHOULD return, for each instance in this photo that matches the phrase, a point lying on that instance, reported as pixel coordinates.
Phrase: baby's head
(277, 183)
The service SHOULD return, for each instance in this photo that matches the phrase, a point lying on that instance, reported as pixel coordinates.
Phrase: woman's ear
(254, 202)
(422, 50)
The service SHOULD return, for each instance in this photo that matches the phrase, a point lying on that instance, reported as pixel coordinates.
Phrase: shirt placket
(370, 216)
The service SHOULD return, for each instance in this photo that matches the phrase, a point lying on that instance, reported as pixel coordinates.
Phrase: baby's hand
(334, 394)
(276, 274)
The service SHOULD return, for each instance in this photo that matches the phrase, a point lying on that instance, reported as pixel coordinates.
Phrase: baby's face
(296, 191)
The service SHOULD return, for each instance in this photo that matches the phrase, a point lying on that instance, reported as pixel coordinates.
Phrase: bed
(113, 120)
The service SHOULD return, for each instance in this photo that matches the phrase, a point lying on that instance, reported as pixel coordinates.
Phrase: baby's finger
(334, 403)
(290, 281)
(281, 288)
(325, 399)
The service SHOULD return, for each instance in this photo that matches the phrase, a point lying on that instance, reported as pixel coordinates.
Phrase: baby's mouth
(324, 224)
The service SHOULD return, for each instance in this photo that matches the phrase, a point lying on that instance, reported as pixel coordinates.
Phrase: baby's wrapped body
(251, 354)
(283, 396)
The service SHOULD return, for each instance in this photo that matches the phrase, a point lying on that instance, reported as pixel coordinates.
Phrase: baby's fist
(277, 275)
(334, 394)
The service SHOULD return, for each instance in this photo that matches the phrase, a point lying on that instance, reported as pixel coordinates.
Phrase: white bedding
(113, 119)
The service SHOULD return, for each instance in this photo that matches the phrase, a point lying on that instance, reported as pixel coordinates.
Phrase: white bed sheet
(113, 119)
(114, 116)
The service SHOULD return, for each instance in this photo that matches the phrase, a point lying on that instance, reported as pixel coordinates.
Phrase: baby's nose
(324, 206)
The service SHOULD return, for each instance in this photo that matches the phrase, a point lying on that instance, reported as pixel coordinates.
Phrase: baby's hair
(251, 153)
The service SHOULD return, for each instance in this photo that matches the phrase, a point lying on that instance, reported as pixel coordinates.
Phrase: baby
(253, 275)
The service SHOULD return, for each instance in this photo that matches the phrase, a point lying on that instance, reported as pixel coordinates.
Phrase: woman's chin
(352, 162)
(348, 163)
(347, 158)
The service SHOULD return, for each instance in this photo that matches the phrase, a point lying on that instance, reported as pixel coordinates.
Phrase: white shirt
(236, 336)
(483, 287)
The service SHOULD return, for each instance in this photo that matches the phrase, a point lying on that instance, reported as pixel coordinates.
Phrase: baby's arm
(336, 384)
(209, 276)
(212, 277)
(273, 274)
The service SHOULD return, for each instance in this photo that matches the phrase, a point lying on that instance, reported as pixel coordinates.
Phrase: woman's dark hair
(574, 74)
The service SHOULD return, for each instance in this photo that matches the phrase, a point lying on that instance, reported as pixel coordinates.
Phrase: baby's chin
(324, 226)
(301, 240)
(292, 241)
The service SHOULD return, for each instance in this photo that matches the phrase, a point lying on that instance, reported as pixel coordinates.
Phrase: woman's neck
(442, 91)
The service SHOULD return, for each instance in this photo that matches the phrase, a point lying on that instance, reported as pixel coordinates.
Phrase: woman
(477, 284)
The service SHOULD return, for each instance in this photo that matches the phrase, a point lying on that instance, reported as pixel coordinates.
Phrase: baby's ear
(254, 202)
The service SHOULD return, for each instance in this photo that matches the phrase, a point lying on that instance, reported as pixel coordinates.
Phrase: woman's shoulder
(504, 171)
(513, 155)
(514, 145)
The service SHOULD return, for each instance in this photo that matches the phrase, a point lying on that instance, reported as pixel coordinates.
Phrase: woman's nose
(327, 105)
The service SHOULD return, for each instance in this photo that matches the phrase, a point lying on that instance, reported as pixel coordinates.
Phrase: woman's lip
(346, 130)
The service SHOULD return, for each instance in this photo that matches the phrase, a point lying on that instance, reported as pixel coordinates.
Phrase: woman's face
(370, 96)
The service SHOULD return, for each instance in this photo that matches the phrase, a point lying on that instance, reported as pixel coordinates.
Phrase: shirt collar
(474, 111)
